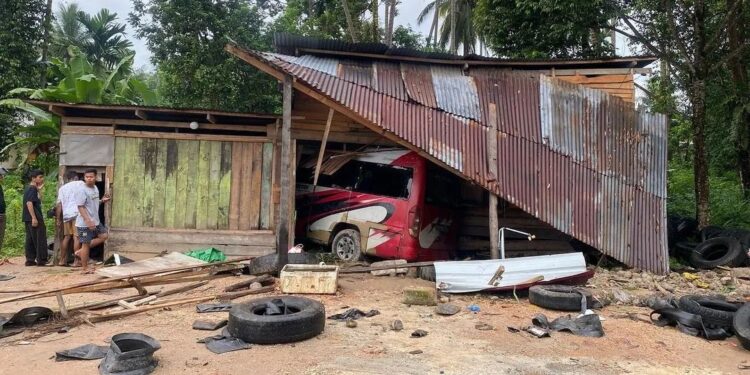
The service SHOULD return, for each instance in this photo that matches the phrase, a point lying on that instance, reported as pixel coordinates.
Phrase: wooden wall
(192, 184)
(616, 84)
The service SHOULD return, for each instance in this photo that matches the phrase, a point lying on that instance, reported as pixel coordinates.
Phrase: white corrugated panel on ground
(474, 275)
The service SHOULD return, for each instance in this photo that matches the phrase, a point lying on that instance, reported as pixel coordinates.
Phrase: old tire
(247, 323)
(269, 263)
(346, 245)
(716, 313)
(719, 251)
(741, 325)
(427, 273)
(711, 231)
(559, 297)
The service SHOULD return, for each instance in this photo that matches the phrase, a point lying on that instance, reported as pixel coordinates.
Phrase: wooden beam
(57, 110)
(103, 123)
(190, 137)
(492, 166)
(322, 147)
(247, 57)
(88, 130)
(282, 231)
(141, 114)
(211, 118)
(45, 104)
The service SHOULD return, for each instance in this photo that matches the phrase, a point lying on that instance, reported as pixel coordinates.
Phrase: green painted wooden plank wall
(186, 184)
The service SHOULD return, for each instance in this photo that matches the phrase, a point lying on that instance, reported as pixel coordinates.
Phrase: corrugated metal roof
(455, 92)
(583, 161)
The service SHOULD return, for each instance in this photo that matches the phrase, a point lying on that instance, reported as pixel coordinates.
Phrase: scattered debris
(209, 255)
(586, 325)
(389, 271)
(419, 333)
(560, 297)
(513, 329)
(536, 331)
(130, 353)
(354, 314)
(6, 277)
(351, 323)
(396, 325)
(416, 352)
(474, 308)
(213, 307)
(209, 325)
(696, 316)
(224, 343)
(85, 352)
(419, 295)
(262, 279)
(447, 309)
(484, 327)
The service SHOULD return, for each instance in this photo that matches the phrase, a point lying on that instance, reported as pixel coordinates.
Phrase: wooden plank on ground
(255, 188)
(214, 180)
(225, 185)
(170, 187)
(159, 177)
(247, 170)
(234, 194)
(202, 183)
(181, 183)
(191, 197)
(165, 262)
(265, 194)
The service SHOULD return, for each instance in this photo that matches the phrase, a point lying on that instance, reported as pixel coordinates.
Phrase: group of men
(77, 209)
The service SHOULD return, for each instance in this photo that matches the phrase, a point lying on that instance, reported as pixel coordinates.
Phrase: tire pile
(710, 317)
(715, 246)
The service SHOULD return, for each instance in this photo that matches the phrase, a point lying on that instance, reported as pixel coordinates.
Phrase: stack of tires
(715, 313)
(711, 247)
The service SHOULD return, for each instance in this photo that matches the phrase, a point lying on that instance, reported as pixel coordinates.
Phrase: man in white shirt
(67, 211)
(91, 233)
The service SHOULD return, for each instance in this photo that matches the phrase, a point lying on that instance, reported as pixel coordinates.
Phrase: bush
(15, 234)
(729, 208)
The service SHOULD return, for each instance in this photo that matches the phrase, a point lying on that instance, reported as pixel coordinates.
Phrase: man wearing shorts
(67, 211)
(91, 233)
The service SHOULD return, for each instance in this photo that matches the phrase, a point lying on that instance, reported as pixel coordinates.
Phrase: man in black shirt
(36, 232)
(2, 208)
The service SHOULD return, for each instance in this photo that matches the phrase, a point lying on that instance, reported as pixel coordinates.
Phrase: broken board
(166, 262)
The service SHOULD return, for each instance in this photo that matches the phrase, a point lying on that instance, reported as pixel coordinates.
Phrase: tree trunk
(698, 103)
(45, 43)
(454, 44)
(349, 23)
(375, 21)
(391, 14)
(435, 23)
(736, 39)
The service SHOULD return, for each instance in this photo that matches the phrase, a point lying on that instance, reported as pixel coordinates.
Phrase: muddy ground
(453, 344)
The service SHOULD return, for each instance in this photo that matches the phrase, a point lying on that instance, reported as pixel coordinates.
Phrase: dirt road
(453, 344)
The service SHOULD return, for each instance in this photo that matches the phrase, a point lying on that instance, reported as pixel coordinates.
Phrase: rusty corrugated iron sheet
(583, 161)
(388, 80)
(455, 93)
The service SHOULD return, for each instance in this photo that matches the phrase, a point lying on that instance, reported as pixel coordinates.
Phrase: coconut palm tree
(105, 44)
(67, 30)
(465, 34)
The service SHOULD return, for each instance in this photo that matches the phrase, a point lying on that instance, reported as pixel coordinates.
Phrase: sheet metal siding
(418, 82)
(388, 80)
(587, 163)
(455, 93)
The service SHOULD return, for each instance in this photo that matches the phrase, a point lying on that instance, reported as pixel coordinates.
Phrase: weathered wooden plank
(247, 170)
(234, 194)
(159, 178)
(195, 236)
(204, 169)
(225, 185)
(137, 169)
(120, 188)
(214, 180)
(283, 229)
(170, 187)
(265, 191)
(148, 151)
(191, 137)
(183, 159)
(191, 193)
(256, 185)
(492, 167)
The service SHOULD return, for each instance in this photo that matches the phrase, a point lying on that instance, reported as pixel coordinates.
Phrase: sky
(408, 12)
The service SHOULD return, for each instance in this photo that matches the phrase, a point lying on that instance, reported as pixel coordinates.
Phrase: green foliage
(728, 206)
(406, 37)
(187, 39)
(13, 186)
(467, 35)
(327, 20)
(545, 28)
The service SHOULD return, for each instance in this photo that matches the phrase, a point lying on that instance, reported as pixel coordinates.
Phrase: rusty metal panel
(455, 93)
(359, 73)
(577, 158)
(418, 81)
(387, 80)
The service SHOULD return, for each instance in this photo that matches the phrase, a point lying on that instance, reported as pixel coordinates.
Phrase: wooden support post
(61, 303)
(492, 165)
(322, 148)
(109, 172)
(282, 229)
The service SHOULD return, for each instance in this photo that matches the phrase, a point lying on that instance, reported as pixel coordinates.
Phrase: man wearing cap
(2, 207)
(67, 211)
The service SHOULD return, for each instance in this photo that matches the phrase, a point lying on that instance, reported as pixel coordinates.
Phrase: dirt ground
(453, 344)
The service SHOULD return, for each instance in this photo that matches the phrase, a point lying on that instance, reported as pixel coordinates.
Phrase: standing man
(36, 232)
(2, 207)
(91, 233)
(67, 211)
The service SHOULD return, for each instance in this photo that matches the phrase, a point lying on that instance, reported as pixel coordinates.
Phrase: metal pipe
(502, 238)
